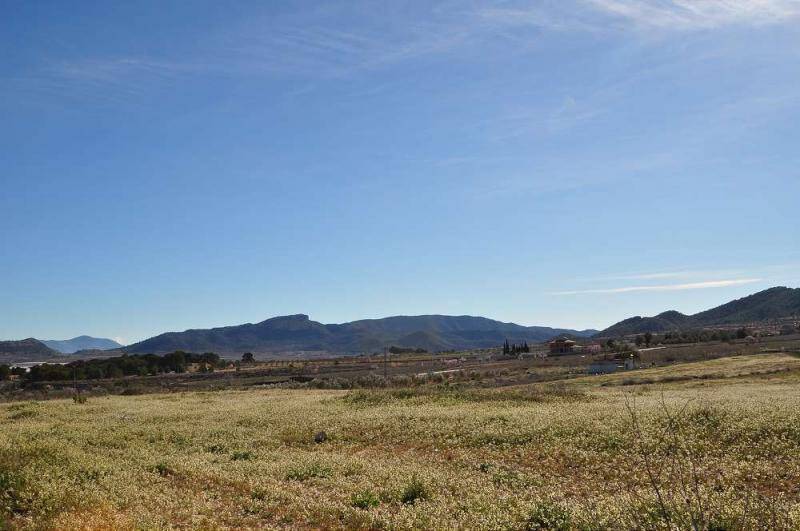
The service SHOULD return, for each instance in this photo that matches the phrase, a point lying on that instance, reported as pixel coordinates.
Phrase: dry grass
(527, 457)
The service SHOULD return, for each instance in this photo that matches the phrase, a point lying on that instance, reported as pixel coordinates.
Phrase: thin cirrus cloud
(674, 274)
(666, 287)
(699, 14)
(315, 47)
(598, 16)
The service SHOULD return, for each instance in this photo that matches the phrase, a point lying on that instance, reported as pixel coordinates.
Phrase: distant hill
(299, 333)
(70, 346)
(772, 303)
(25, 350)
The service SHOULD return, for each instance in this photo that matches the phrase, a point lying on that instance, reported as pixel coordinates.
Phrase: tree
(5, 372)
(175, 361)
(648, 338)
(639, 341)
(247, 357)
(211, 359)
(506, 348)
(742, 333)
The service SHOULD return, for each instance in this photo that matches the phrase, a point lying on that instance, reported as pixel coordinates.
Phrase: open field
(720, 450)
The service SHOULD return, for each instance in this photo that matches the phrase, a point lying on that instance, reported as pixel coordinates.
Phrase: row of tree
(700, 336)
(125, 365)
(513, 348)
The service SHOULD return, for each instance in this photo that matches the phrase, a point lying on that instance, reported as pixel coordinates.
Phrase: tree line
(514, 348)
(691, 336)
(125, 365)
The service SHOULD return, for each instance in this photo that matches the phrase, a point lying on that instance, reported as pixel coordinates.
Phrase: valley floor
(713, 444)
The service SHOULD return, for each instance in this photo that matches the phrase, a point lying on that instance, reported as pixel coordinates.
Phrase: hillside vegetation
(773, 303)
(717, 446)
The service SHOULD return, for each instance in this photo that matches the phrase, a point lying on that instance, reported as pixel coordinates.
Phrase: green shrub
(414, 491)
(548, 515)
(12, 500)
(80, 399)
(364, 500)
(308, 472)
(215, 449)
(242, 456)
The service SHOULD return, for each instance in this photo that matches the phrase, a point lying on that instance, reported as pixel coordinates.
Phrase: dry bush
(684, 490)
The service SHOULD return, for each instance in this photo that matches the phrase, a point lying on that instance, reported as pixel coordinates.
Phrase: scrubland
(706, 445)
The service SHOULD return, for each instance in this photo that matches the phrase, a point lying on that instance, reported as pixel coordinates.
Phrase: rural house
(561, 345)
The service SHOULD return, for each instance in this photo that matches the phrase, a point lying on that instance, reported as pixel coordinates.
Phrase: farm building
(608, 366)
(561, 345)
(604, 367)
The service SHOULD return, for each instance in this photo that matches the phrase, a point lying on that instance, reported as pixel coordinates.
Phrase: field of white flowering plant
(716, 446)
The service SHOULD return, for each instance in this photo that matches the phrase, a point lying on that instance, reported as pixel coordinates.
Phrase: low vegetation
(716, 453)
(118, 366)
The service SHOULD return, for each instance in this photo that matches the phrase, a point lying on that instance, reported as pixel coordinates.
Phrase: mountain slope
(25, 350)
(772, 303)
(662, 322)
(298, 332)
(70, 346)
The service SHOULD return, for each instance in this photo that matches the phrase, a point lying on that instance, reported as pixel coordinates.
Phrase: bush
(547, 515)
(241, 456)
(215, 449)
(364, 500)
(12, 500)
(308, 472)
(414, 491)
(80, 399)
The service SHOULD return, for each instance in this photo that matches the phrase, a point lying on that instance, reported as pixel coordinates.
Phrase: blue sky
(167, 165)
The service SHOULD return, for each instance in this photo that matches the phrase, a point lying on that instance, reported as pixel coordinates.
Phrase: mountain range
(70, 346)
(772, 303)
(299, 333)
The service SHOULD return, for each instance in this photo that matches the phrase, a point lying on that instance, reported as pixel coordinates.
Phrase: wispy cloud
(312, 45)
(666, 287)
(658, 275)
(104, 79)
(699, 14)
(601, 16)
